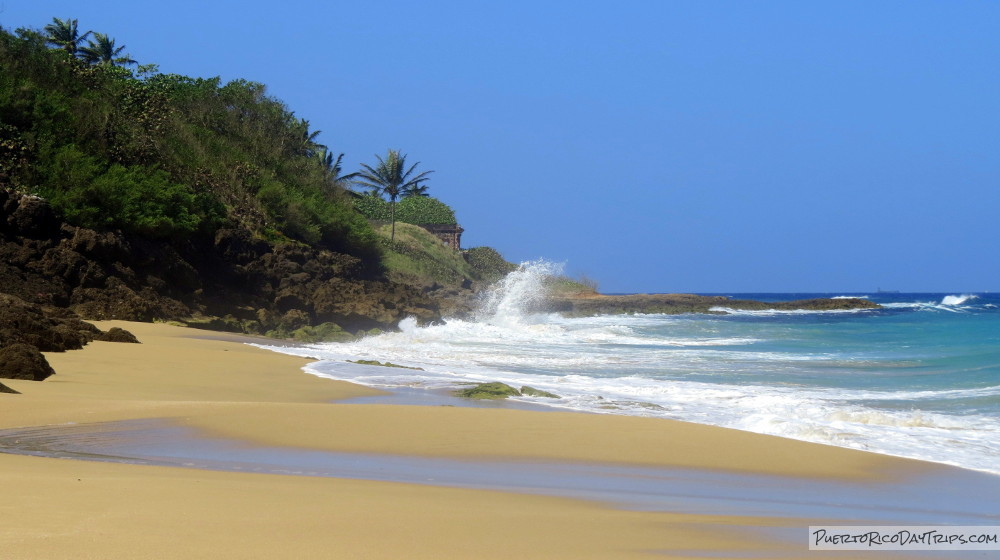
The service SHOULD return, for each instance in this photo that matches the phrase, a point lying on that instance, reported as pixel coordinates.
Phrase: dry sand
(56, 508)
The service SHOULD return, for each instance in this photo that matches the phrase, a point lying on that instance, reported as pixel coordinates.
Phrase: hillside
(145, 196)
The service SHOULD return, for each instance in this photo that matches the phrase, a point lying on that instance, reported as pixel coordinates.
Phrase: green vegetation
(488, 264)
(176, 158)
(416, 210)
(65, 34)
(163, 155)
(101, 50)
(391, 178)
(561, 286)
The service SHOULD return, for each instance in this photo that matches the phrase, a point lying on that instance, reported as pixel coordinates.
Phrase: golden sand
(55, 508)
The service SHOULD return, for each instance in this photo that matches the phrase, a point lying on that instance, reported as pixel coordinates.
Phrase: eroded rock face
(26, 323)
(236, 280)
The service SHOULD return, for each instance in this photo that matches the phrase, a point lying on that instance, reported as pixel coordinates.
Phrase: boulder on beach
(117, 334)
(24, 361)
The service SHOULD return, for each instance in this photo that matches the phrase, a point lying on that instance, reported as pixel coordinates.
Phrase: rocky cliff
(234, 281)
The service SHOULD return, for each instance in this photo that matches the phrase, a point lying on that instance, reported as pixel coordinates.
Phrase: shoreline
(225, 388)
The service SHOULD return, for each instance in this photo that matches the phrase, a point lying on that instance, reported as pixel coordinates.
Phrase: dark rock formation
(23, 361)
(233, 280)
(27, 330)
(26, 323)
(6, 389)
(117, 334)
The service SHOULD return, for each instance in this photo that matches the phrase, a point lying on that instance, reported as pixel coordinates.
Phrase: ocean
(919, 378)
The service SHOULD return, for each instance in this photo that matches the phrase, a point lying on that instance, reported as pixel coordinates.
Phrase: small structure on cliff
(424, 211)
(449, 234)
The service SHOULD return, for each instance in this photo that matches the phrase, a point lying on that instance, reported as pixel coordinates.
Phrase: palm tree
(390, 179)
(65, 34)
(332, 167)
(101, 50)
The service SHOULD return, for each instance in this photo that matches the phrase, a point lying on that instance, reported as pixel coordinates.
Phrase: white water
(957, 300)
(699, 369)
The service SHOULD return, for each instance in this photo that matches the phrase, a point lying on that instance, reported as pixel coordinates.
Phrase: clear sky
(653, 146)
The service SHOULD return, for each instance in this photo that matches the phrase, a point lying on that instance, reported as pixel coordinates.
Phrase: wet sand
(213, 386)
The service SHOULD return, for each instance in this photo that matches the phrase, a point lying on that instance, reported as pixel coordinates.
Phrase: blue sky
(653, 146)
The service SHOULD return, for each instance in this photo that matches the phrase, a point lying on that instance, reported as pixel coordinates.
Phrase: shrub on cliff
(417, 210)
(136, 199)
(421, 210)
(488, 263)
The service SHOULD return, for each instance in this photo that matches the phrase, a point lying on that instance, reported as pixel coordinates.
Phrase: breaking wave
(814, 376)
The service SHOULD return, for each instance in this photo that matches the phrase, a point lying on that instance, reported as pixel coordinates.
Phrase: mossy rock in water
(324, 332)
(494, 391)
(532, 392)
(383, 364)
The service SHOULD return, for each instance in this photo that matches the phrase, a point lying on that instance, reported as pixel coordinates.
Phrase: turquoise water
(919, 378)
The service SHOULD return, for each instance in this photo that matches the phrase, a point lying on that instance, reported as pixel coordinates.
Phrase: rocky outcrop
(117, 334)
(233, 281)
(56, 331)
(24, 361)
(27, 330)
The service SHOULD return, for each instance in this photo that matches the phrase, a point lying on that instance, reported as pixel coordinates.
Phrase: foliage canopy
(416, 210)
(163, 155)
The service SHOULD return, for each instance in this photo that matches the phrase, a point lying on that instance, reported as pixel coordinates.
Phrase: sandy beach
(218, 386)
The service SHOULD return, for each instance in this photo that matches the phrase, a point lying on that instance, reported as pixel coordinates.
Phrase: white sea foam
(958, 300)
(707, 369)
(773, 312)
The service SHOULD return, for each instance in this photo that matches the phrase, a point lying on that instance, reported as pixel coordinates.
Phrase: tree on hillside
(65, 34)
(389, 178)
(333, 167)
(101, 50)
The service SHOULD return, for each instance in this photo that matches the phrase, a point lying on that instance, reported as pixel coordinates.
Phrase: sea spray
(517, 294)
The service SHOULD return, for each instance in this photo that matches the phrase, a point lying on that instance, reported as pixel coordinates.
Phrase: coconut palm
(389, 178)
(101, 50)
(65, 34)
(332, 167)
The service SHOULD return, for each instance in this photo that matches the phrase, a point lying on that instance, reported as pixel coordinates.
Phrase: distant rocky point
(598, 304)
